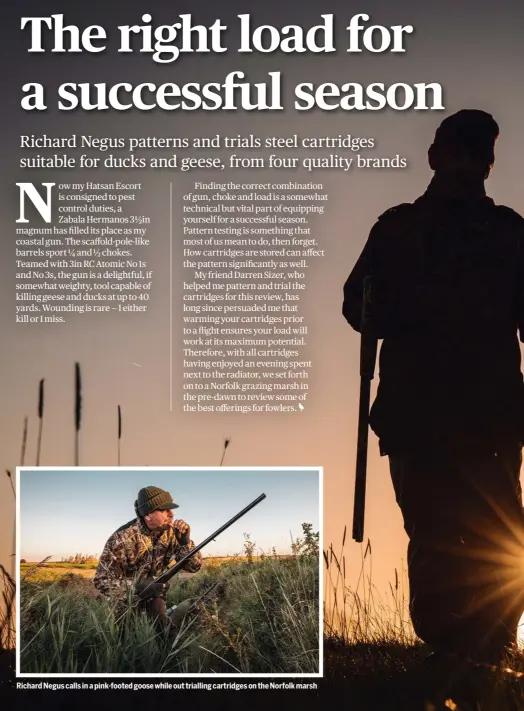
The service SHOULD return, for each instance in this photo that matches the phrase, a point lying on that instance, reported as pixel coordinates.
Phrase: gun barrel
(168, 574)
(368, 356)
(359, 504)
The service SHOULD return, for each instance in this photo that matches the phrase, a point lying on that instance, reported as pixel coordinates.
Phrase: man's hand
(153, 589)
(182, 531)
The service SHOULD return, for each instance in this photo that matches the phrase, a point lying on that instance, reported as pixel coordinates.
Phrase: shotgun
(174, 569)
(368, 356)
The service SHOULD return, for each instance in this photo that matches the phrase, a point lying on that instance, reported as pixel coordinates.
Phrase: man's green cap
(151, 498)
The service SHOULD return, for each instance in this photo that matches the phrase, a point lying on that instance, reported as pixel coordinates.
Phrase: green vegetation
(80, 559)
(266, 621)
(26, 567)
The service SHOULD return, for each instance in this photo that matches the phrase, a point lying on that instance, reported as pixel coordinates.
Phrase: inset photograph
(169, 571)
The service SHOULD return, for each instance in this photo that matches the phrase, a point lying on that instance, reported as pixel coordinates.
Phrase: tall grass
(360, 614)
(266, 620)
(7, 610)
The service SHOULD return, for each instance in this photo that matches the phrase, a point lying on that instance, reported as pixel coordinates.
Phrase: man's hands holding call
(182, 531)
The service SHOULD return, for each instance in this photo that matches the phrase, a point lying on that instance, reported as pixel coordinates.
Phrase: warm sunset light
(264, 255)
(520, 638)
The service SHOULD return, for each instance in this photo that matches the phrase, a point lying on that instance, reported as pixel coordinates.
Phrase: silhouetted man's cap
(470, 128)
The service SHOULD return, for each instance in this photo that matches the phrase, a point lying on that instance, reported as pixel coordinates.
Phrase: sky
(474, 49)
(66, 512)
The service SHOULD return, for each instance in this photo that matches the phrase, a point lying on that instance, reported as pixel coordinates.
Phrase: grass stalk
(78, 409)
(40, 420)
(10, 477)
(24, 443)
(119, 431)
(226, 445)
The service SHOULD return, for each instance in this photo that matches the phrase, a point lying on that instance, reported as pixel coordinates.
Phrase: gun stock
(368, 355)
(174, 569)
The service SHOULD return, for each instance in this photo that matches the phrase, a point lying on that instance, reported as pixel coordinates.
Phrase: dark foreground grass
(401, 678)
(374, 660)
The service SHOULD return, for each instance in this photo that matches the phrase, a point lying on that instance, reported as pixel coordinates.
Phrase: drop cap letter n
(41, 205)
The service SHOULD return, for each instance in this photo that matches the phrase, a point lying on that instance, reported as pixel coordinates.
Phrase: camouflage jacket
(447, 280)
(133, 553)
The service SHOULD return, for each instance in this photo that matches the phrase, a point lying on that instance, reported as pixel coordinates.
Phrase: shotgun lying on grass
(174, 569)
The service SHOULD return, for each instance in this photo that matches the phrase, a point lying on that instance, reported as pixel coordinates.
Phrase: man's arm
(375, 261)
(354, 286)
(110, 577)
(182, 545)
(513, 223)
(194, 564)
(520, 286)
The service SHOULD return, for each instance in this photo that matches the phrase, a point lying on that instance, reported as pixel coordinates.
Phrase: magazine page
(262, 314)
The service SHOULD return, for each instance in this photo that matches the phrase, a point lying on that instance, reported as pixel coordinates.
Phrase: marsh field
(267, 619)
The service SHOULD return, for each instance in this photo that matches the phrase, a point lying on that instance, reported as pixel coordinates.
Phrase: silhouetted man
(447, 298)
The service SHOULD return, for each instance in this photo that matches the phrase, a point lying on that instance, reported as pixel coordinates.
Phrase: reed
(226, 445)
(10, 477)
(119, 431)
(78, 409)
(40, 420)
(24, 443)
